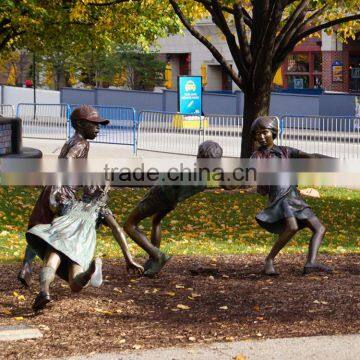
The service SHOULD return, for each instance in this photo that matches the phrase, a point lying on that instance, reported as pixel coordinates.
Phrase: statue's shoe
(156, 265)
(96, 277)
(270, 273)
(41, 300)
(312, 268)
(25, 275)
(147, 264)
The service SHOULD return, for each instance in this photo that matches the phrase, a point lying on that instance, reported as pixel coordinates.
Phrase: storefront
(353, 49)
(324, 63)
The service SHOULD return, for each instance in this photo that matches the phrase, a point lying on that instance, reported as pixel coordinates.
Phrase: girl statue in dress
(287, 212)
(67, 244)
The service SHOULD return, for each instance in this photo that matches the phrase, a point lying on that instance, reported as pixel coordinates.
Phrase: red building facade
(324, 63)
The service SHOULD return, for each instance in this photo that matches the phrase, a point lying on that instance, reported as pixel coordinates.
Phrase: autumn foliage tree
(62, 32)
(260, 34)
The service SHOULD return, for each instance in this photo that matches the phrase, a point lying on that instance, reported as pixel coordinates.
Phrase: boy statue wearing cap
(287, 212)
(86, 122)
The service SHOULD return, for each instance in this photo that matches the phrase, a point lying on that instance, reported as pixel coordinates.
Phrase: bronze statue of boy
(286, 212)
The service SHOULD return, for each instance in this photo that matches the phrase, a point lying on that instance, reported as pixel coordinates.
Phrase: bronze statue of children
(287, 212)
(86, 122)
(67, 245)
(159, 201)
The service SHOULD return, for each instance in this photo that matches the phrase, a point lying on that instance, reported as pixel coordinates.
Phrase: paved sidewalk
(51, 149)
(345, 347)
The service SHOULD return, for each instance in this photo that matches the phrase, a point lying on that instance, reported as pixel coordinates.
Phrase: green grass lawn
(209, 223)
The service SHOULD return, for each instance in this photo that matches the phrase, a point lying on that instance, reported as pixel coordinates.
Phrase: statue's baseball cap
(87, 112)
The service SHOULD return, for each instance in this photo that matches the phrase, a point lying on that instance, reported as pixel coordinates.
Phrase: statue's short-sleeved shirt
(52, 196)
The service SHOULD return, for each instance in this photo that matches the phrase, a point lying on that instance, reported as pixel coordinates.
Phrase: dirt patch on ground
(224, 300)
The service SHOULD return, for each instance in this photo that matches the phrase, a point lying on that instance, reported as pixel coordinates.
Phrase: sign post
(190, 95)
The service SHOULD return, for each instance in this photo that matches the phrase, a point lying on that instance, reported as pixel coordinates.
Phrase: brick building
(324, 62)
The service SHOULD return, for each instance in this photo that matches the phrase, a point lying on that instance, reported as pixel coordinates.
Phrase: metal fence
(226, 130)
(174, 133)
(164, 132)
(44, 121)
(122, 127)
(332, 136)
(178, 134)
(7, 111)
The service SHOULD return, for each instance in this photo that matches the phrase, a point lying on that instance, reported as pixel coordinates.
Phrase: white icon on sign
(190, 85)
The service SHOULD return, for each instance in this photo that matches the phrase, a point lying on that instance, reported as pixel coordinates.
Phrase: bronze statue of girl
(287, 212)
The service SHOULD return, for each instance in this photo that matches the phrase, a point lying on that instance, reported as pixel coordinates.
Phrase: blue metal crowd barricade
(122, 127)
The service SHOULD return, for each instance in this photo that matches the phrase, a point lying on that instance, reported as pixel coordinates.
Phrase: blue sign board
(190, 95)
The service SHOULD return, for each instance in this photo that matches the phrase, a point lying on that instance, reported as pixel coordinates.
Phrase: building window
(317, 62)
(184, 64)
(298, 63)
(298, 81)
(304, 70)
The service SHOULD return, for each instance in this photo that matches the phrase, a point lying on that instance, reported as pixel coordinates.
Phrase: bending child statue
(67, 245)
(86, 122)
(157, 203)
(286, 212)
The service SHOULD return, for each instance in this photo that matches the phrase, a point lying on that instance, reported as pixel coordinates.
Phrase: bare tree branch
(298, 27)
(293, 19)
(286, 3)
(326, 25)
(229, 10)
(4, 22)
(220, 21)
(241, 32)
(109, 3)
(282, 53)
(313, 16)
(207, 43)
(247, 16)
(12, 34)
(264, 51)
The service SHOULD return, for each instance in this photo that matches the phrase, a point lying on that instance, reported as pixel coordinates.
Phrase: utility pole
(34, 76)
(34, 82)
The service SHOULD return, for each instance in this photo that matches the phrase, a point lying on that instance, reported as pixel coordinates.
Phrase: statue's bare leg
(290, 230)
(25, 272)
(156, 232)
(156, 227)
(78, 278)
(47, 275)
(318, 230)
(159, 259)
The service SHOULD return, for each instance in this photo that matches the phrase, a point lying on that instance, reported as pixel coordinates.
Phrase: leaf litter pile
(195, 299)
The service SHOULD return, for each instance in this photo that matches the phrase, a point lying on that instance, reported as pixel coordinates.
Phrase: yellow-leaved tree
(77, 32)
(11, 80)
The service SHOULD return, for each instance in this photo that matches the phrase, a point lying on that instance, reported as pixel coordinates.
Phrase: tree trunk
(256, 103)
(60, 79)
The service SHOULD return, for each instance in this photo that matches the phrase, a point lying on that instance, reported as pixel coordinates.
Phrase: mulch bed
(224, 299)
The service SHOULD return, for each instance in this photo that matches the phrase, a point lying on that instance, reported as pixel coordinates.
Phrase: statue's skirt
(286, 204)
(72, 236)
